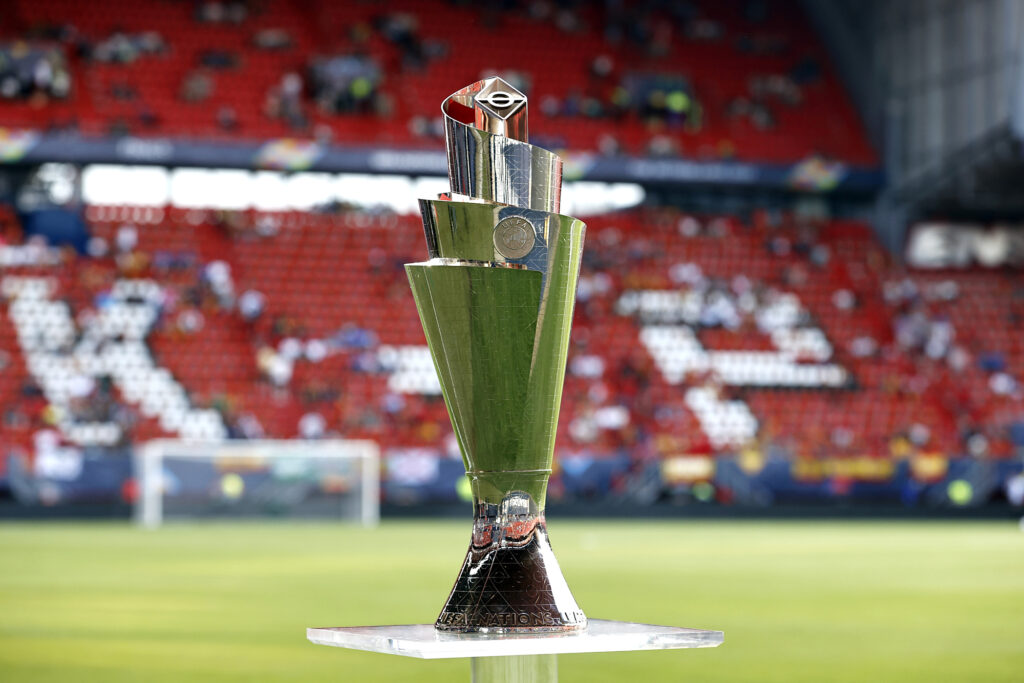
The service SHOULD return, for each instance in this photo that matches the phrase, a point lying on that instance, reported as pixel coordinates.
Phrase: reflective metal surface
(488, 156)
(496, 301)
(455, 230)
(490, 105)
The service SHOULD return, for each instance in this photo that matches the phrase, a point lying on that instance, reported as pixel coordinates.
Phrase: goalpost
(335, 478)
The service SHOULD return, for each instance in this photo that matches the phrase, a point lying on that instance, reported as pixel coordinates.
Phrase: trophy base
(423, 641)
(511, 583)
(513, 657)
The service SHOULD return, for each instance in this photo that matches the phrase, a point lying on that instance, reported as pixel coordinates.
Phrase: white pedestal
(527, 658)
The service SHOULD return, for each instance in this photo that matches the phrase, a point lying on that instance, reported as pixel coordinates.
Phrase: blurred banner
(416, 476)
(958, 245)
(290, 154)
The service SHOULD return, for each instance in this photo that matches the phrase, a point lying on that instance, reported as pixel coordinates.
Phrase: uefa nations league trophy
(496, 302)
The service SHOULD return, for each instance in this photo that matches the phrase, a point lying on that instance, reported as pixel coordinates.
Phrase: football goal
(335, 478)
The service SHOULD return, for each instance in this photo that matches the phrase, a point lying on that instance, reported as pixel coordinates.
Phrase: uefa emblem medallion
(514, 237)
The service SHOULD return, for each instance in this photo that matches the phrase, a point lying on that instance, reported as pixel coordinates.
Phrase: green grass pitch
(807, 601)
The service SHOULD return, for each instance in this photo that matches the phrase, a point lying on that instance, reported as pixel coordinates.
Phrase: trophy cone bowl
(496, 301)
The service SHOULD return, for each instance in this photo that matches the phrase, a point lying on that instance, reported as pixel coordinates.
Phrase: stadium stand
(704, 80)
(761, 341)
(696, 336)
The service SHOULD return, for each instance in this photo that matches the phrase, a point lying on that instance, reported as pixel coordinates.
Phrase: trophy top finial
(489, 157)
(493, 105)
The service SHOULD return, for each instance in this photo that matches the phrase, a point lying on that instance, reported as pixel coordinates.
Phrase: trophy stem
(510, 580)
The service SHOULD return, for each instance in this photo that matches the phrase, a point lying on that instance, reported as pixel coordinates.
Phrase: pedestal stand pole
(516, 669)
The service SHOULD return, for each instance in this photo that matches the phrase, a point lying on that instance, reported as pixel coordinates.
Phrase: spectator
(125, 48)
(284, 101)
(227, 119)
(28, 71)
(197, 86)
(217, 12)
(127, 238)
(218, 59)
(402, 30)
(312, 425)
(274, 367)
(190, 321)
(249, 427)
(272, 39)
(345, 84)
(217, 276)
(250, 305)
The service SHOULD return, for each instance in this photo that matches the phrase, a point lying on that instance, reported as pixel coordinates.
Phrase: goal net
(265, 478)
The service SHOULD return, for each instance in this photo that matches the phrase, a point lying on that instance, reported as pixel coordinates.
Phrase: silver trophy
(496, 302)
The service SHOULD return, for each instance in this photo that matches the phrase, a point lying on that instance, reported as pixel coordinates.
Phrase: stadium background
(802, 294)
